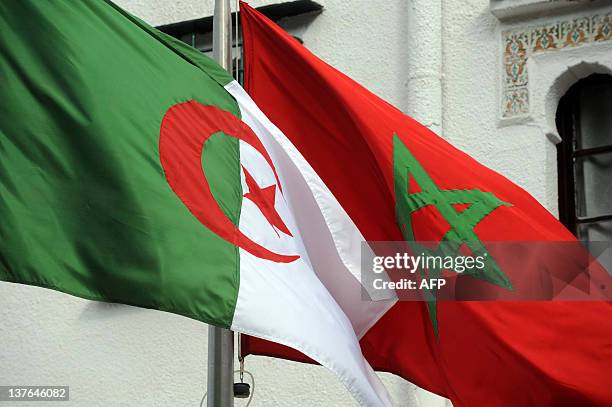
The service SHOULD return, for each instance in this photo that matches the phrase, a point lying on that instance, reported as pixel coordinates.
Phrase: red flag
(484, 353)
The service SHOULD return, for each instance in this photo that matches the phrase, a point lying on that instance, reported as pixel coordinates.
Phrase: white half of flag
(313, 304)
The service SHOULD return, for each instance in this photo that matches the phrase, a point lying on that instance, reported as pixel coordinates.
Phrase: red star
(264, 199)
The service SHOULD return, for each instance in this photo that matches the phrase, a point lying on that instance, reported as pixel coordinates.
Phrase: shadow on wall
(96, 311)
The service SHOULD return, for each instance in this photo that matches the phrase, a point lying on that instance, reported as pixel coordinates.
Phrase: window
(584, 120)
(198, 33)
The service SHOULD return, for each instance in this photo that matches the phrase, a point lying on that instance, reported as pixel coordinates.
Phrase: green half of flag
(84, 204)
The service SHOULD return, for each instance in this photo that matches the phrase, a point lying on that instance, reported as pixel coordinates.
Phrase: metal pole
(220, 367)
(222, 34)
(221, 341)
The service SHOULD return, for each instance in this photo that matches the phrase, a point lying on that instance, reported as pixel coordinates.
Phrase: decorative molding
(523, 9)
(519, 44)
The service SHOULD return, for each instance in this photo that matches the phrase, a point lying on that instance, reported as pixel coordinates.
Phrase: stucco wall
(440, 61)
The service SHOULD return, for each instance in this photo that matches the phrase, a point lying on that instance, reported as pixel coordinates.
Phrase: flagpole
(221, 341)
(222, 34)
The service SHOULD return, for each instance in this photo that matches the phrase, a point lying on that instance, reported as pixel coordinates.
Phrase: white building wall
(438, 60)
(521, 146)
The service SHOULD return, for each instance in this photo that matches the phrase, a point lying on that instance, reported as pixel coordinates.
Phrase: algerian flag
(134, 170)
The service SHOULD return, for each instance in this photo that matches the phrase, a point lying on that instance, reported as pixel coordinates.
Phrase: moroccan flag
(133, 169)
(398, 181)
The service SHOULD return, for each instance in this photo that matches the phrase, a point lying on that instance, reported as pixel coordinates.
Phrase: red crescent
(184, 130)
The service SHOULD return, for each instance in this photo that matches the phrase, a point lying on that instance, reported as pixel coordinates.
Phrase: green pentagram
(461, 232)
